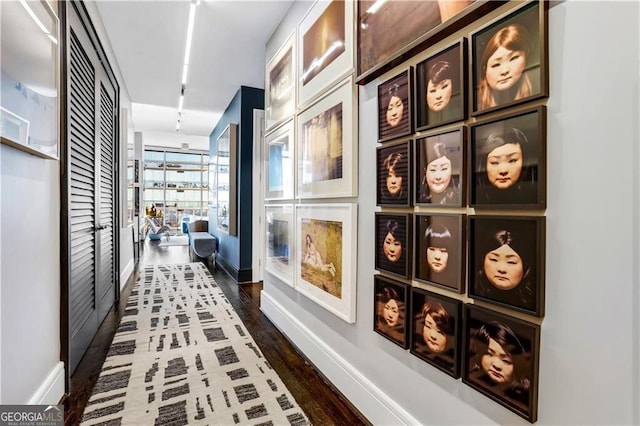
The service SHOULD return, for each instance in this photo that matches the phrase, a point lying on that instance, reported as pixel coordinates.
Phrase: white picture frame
(280, 163)
(327, 145)
(280, 85)
(325, 253)
(326, 54)
(279, 248)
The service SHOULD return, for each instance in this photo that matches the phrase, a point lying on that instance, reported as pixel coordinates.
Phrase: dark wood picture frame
(439, 251)
(436, 330)
(507, 261)
(393, 255)
(393, 174)
(441, 87)
(512, 384)
(439, 168)
(508, 161)
(518, 68)
(395, 106)
(386, 38)
(385, 322)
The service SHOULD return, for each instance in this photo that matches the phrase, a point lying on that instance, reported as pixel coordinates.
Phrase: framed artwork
(439, 160)
(508, 161)
(439, 250)
(279, 165)
(509, 59)
(30, 78)
(392, 32)
(436, 330)
(279, 251)
(441, 87)
(327, 145)
(325, 37)
(391, 305)
(393, 173)
(395, 104)
(280, 85)
(506, 261)
(393, 251)
(502, 359)
(326, 256)
(226, 180)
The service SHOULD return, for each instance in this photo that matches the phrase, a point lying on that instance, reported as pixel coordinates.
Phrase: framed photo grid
(391, 309)
(502, 358)
(507, 167)
(436, 330)
(325, 268)
(395, 106)
(439, 250)
(509, 59)
(393, 174)
(280, 85)
(279, 249)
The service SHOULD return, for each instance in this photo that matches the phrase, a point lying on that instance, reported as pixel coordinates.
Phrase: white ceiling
(228, 50)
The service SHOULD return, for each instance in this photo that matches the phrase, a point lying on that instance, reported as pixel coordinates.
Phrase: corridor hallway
(320, 403)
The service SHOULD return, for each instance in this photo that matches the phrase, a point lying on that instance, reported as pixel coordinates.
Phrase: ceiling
(228, 50)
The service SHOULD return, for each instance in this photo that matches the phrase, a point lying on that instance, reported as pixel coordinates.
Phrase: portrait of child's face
(497, 363)
(437, 258)
(394, 111)
(392, 248)
(394, 182)
(439, 95)
(438, 174)
(435, 338)
(503, 267)
(504, 165)
(391, 312)
(504, 68)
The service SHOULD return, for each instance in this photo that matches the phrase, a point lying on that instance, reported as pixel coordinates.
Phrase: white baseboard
(51, 390)
(124, 277)
(374, 404)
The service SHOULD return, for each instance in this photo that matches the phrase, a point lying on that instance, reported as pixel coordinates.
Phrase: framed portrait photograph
(389, 33)
(327, 149)
(279, 250)
(436, 330)
(502, 358)
(509, 59)
(326, 240)
(391, 305)
(393, 173)
(280, 85)
(441, 87)
(439, 250)
(439, 169)
(325, 40)
(507, 167)
(395, 104)
(279, 163)
(393, 251)
(506, 261)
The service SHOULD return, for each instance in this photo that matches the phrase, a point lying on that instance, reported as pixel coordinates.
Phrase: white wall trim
(126, 273)
(374, 404)
(51, 390)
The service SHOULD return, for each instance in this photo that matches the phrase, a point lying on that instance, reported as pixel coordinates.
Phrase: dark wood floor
(319, 400)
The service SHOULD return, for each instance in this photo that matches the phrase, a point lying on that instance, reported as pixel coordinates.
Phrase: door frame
(257, 235)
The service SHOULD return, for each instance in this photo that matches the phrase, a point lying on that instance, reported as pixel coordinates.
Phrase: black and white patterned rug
(181, 355)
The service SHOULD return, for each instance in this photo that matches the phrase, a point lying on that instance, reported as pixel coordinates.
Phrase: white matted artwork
(327, 149)
(325, 40)
(279, 163)
(280, 84)
(279, 250)
(325, 267)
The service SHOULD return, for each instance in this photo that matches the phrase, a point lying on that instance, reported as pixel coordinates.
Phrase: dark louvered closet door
(91, 131)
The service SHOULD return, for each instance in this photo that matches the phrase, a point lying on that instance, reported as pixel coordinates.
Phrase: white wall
(175, 140)
(590, 349)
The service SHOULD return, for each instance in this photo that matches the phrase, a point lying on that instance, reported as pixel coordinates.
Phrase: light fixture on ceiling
(187, 54)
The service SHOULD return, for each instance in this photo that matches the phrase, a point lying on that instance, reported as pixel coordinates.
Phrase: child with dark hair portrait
(438, 242)
(393, 106)
(390, 312)
(393, 175)
(439, 182)
(391, 241)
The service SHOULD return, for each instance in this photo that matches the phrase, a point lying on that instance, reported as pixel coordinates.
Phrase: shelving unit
(177, 184)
